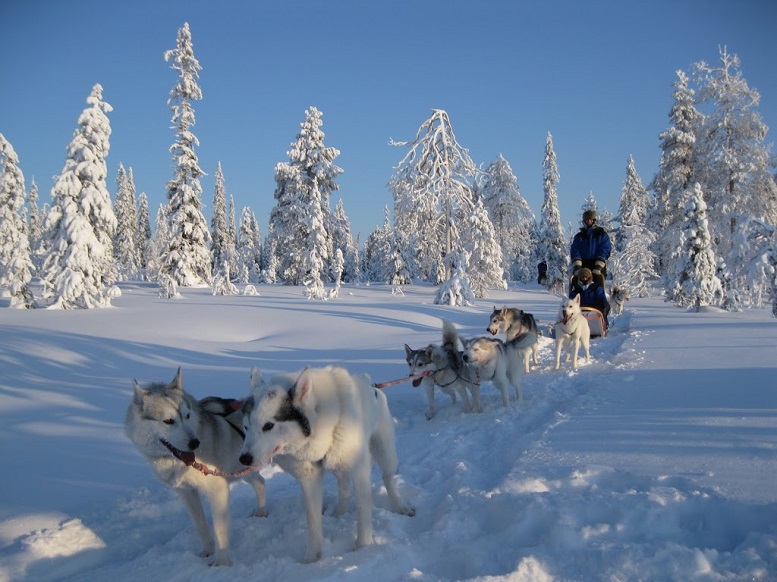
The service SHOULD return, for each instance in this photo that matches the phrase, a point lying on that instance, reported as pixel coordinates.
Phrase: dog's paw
(259, 512)
(221, 558)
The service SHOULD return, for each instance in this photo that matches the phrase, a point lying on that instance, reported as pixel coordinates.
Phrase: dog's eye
(169, 421)
(267, 426)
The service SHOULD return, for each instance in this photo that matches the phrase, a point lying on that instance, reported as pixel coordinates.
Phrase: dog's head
(498, 321)
(570, 308)
(161, 419)
(273, 417)
(620, 294)
(479, 350)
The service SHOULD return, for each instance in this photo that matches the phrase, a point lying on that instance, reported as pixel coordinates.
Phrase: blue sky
(596, 74)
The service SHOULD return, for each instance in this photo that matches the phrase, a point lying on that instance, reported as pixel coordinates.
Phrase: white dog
(572, 331)
(322, 419)
(498, 361)
(169, 427)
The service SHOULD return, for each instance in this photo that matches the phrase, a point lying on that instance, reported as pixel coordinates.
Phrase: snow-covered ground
(655, 461)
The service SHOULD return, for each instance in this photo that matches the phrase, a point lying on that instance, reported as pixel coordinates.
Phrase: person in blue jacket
(591, 293)
(591, 248)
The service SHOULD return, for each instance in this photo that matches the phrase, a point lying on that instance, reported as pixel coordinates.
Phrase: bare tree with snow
(16, 267)
(77, 268)
(433, 179)
(186, 256)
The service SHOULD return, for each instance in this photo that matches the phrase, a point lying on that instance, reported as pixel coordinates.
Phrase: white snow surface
(657, 460)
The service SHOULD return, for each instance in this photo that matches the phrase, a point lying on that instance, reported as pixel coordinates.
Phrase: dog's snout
(246, 459)
(465, 357)
(193, 444)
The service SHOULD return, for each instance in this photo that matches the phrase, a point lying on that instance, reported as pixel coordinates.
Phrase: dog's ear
(577, 299)
(408, 351)
(303, 387)
(138, 392)
(177, 383)
(256, 377)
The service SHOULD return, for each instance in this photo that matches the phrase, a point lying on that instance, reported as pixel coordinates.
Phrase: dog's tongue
(417, 382)
(187, 457)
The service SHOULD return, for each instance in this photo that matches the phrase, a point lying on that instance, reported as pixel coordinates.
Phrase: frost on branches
(78, 265)
(16, 267)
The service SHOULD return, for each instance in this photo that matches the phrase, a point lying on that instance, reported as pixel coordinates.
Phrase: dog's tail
(450, 337)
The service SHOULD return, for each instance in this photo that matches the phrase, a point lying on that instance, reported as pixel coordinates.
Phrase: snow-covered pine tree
(552, 245)
(633, 263)
(124, 241)
(484, 265)
(231, 236)
(456, 290)
(338, 263)
(733, 159)
(16, 268)
(143, 238)
(514, 223)
(309, 176)
(697, 285)
(36, 226)
(315, 253)
(341, 239)
(757, 241)
(219, 229)
(433, 179)
(186, 257)
(400, 274)
(80, 224)
(379, 251)
(673, 181)
(249, 249)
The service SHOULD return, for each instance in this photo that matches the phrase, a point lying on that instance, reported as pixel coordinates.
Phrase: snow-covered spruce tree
(307, 178)
(338, 263)
(219, 233)
(400, 274)
(552, 245)
(673, 181)
(697, 285)
(143, 238)
(125, 239)
(231, 236)
(484, 264)
(16, 268)
(249, 251)
(758, 242)
(456, 290)
(514, 223)
(78, 264)
(36, 226)
(633, 263)
(186, 257)
(341, 239)
(433, 179)
(378, 252)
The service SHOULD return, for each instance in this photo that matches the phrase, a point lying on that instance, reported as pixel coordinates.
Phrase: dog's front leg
(257, 482)
(362, 485)
(559, 344)
(193, 504)
(575, 348)
(429, 387)
(343, 490)
(218, 498)
(311, 479)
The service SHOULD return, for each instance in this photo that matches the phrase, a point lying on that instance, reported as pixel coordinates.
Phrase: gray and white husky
(170, 428)
(619, 297)
(446, 369)
(571, 331)
(517, 325)
(498, 361)
(324, 419)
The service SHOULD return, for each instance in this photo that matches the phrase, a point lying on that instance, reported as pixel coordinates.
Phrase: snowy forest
(702, 230)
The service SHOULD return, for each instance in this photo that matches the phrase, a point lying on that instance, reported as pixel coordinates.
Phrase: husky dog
(619, 296)
(571, 331)
(324, 419)
(167, 425)
(447, 368)
(516, 324)
(498, 361)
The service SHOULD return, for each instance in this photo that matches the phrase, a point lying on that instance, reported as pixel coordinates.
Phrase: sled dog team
(322, 419)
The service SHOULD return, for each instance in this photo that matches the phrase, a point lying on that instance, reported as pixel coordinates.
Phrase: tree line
(704, 227)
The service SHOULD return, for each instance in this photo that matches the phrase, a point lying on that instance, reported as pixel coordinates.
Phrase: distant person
(542, 272)
(591, 248)
(591, 293)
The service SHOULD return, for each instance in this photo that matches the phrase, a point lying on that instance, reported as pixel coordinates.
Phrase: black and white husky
(517, 325)
(193, 446)
(498, 361)
(446, 369)
(324, 419)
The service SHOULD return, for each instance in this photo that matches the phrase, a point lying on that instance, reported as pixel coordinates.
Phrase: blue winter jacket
(593, 296)
(591, 244)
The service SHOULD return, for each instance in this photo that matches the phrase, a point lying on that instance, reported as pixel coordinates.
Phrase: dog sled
(596, 322)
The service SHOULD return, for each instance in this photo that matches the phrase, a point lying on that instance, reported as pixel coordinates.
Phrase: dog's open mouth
(186, 456)
(417, 382)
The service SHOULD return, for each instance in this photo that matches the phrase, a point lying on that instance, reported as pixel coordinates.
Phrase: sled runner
(596, 321)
